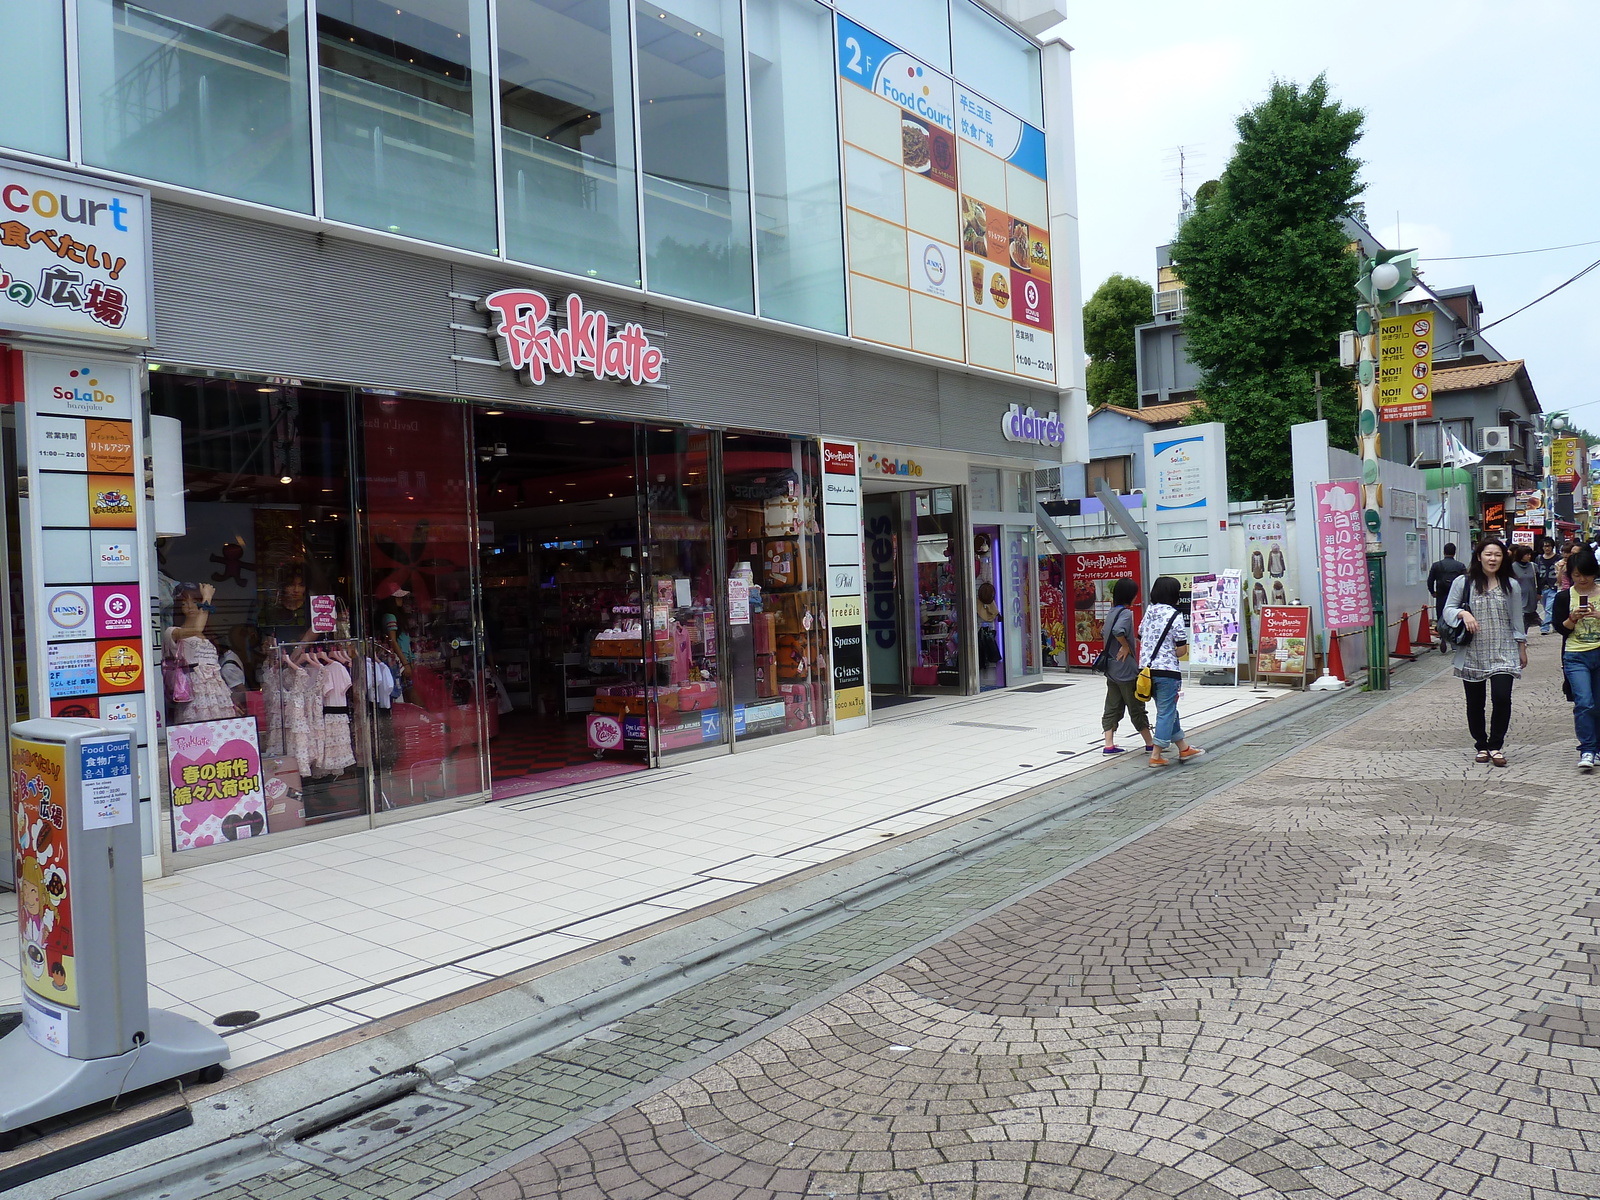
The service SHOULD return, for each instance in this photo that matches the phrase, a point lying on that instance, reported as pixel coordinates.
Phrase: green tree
(1270, 280)
(1117, 308)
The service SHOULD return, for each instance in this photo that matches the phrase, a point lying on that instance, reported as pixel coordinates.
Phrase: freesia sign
(589, 344)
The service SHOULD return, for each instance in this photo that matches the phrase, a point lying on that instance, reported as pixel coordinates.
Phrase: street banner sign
(1405, 367)
(1341, 555)
(1565, 459)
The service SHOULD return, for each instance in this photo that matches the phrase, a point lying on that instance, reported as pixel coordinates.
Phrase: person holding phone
(1576, 614)
(1487, 603)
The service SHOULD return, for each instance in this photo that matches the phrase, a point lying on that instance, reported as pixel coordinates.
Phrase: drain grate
(987, 725)
(379, 1132)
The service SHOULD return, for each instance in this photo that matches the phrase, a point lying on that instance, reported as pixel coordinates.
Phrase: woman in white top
(1163, 639)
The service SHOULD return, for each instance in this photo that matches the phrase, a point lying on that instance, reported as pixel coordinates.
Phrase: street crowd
(1485, 609)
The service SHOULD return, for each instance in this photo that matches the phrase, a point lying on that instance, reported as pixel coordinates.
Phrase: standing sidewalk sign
(1341, 556)
(1086, 597)
(88, 1033)
(1214, 622)
(1281, 648)
(841, 522)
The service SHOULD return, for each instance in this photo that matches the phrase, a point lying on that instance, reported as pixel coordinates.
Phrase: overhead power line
(1512, 253)
(1546, 296)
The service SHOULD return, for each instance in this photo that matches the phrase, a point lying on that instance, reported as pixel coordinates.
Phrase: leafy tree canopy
(1118, 306)
(1270, 280)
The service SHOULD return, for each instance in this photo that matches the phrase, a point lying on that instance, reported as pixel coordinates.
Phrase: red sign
(838, 458)
(1086, 593)
(1285, 634)
(1342, 556)
(587, 344)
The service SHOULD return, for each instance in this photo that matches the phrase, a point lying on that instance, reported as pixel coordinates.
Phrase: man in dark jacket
(1440, 576)
(1548, 569)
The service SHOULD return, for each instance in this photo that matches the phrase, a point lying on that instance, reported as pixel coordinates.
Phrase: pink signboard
(215, 771)
(324, 614)
(1342, 556)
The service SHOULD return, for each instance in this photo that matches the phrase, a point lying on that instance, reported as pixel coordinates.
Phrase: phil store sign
(74, 257)
(588, 344)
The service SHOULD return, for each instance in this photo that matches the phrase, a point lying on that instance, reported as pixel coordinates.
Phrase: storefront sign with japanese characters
(1341, 556)
(74, 256)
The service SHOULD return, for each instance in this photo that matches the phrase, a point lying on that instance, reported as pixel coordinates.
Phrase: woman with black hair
(1487, 603)
(1163, 638)
(1575, 613)
(1122, 669)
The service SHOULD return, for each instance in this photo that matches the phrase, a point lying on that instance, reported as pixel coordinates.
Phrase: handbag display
(1145, 685)
(175, 671)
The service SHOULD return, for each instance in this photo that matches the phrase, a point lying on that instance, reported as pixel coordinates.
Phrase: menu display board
(946, 214)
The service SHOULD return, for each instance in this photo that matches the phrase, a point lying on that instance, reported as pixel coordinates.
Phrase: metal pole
(1372, 496)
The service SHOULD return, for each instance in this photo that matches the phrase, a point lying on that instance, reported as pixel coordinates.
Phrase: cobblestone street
(1336, 959)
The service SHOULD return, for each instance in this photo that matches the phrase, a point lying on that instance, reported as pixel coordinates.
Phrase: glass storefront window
(777, 606)
(794, 144)
(920, 27)
(939, 602)
(407, 134)
(33, 79)
(984, 488)
(881, 524)
(692, 133)
(993, 604)
(996, 61)
(268, 547)
(566, 130)
(208, 95)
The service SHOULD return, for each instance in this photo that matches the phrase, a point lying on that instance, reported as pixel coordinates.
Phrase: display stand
(88, 1033)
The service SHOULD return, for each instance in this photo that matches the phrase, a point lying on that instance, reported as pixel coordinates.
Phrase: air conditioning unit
(1170, 302)
(1495, 479)
(1495, 439)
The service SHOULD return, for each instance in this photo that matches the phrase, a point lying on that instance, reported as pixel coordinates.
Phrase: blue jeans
(1164, 692)
(1582, 669)
(1548, 598)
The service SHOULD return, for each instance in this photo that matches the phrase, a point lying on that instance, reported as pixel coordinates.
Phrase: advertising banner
(1267, 553)
(1214, 620)
(1566, 455)
(1405, 367)
(215, 771)
(44, 882)
(841, 512)
(1285, 636)
(1052, 609)
(1087, 582)
(1341, 556)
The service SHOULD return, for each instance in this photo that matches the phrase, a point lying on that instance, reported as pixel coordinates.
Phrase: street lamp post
(1549, 425)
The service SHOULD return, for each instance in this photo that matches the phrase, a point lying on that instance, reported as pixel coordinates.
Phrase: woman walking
(1487, 603)
(1528, 580)
(1163, 636)
(1122, 669)
(1576, 614)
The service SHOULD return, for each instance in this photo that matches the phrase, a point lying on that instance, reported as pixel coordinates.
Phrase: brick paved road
(1366, 972)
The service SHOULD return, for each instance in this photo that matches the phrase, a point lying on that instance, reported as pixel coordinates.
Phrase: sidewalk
(328, 936)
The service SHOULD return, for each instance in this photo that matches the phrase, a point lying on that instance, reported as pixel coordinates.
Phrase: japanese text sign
(74, 256)
(1087, 584)
(1405, 367)
(215, 771)
(1565, 459)
(1341, 556)
(1281, 648)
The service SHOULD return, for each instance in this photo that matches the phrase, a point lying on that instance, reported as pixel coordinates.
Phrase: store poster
(1341, 556)
(1267, 559)
(44, 880)
(1180, 480)
(1087, 583)
(929, 163)
(1281, 648)
(1214, 620)
(214, 768)
(1052, 609)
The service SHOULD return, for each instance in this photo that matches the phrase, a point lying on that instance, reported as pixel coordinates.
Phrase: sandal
(1497, 758)
(1483, 757)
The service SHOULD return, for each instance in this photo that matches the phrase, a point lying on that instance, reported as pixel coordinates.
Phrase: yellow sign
(1405, 367)
(844, 610)
(44, 884)
(1565, 455)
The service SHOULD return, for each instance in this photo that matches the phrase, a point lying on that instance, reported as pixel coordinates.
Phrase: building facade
(565, 390)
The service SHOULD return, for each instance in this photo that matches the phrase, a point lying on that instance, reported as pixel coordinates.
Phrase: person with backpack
(1576, 614)
(1440, 576)
(1120, 661)
(1484, 610)
(1163, 639)
(1546, 568)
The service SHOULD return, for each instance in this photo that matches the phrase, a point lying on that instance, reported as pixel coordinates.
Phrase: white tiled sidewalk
(347, 930)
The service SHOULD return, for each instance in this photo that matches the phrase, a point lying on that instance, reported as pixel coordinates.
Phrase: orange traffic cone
(1402, 647)
(1334, 663)
(1424, 628)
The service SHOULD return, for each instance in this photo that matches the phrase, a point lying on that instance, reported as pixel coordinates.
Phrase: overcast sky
(1482, 131)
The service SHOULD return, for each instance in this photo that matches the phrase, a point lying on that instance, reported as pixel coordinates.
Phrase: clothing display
(212, 699)
(308, 715)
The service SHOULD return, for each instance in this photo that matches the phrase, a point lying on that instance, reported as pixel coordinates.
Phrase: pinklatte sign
(215, 771)
(1342, 556)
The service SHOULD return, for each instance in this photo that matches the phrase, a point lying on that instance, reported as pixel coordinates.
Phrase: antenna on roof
(1178, 159)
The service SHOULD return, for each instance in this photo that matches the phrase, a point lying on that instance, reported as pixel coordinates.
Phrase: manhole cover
(379, 1132)
(241, 1016)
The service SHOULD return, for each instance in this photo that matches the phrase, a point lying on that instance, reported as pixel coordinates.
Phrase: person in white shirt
(1163, 640)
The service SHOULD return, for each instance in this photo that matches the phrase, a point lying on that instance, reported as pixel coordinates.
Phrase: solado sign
(589, 344)
(1029, 426)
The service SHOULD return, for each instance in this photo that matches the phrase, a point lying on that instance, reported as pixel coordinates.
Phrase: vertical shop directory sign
(946, 214)
(841, 523)
(1341, 556)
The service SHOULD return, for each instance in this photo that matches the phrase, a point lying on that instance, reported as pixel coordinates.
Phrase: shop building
(501, 429)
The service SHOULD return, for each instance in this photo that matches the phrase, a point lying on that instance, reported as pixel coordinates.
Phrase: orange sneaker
(1191, 753)
(1157, 761)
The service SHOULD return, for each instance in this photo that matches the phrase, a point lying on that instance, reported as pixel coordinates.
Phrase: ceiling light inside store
(285, 478)
(266, 389)
(585, 422)
(494, 412)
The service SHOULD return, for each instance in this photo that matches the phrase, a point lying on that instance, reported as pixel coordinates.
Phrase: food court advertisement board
(1281, 648)
(1087, 582)
(946, 214)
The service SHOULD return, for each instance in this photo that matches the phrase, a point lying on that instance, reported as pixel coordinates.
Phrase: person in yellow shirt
(1577, 616)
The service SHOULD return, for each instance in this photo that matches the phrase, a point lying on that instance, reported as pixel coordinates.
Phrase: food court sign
(586, 344)
(74, 257)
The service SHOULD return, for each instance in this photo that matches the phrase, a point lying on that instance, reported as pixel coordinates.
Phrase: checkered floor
(529, 743)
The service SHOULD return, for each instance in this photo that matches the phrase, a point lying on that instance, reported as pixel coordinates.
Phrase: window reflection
(406, 129)
(997, 61)
(691, 120)
(33, 80)
(566, 128)
(207, 95)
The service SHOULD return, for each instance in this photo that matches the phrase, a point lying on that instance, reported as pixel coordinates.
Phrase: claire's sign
(588, 344)
(1019, 425)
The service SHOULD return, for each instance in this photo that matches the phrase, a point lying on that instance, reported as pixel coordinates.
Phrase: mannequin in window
(189, 661)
